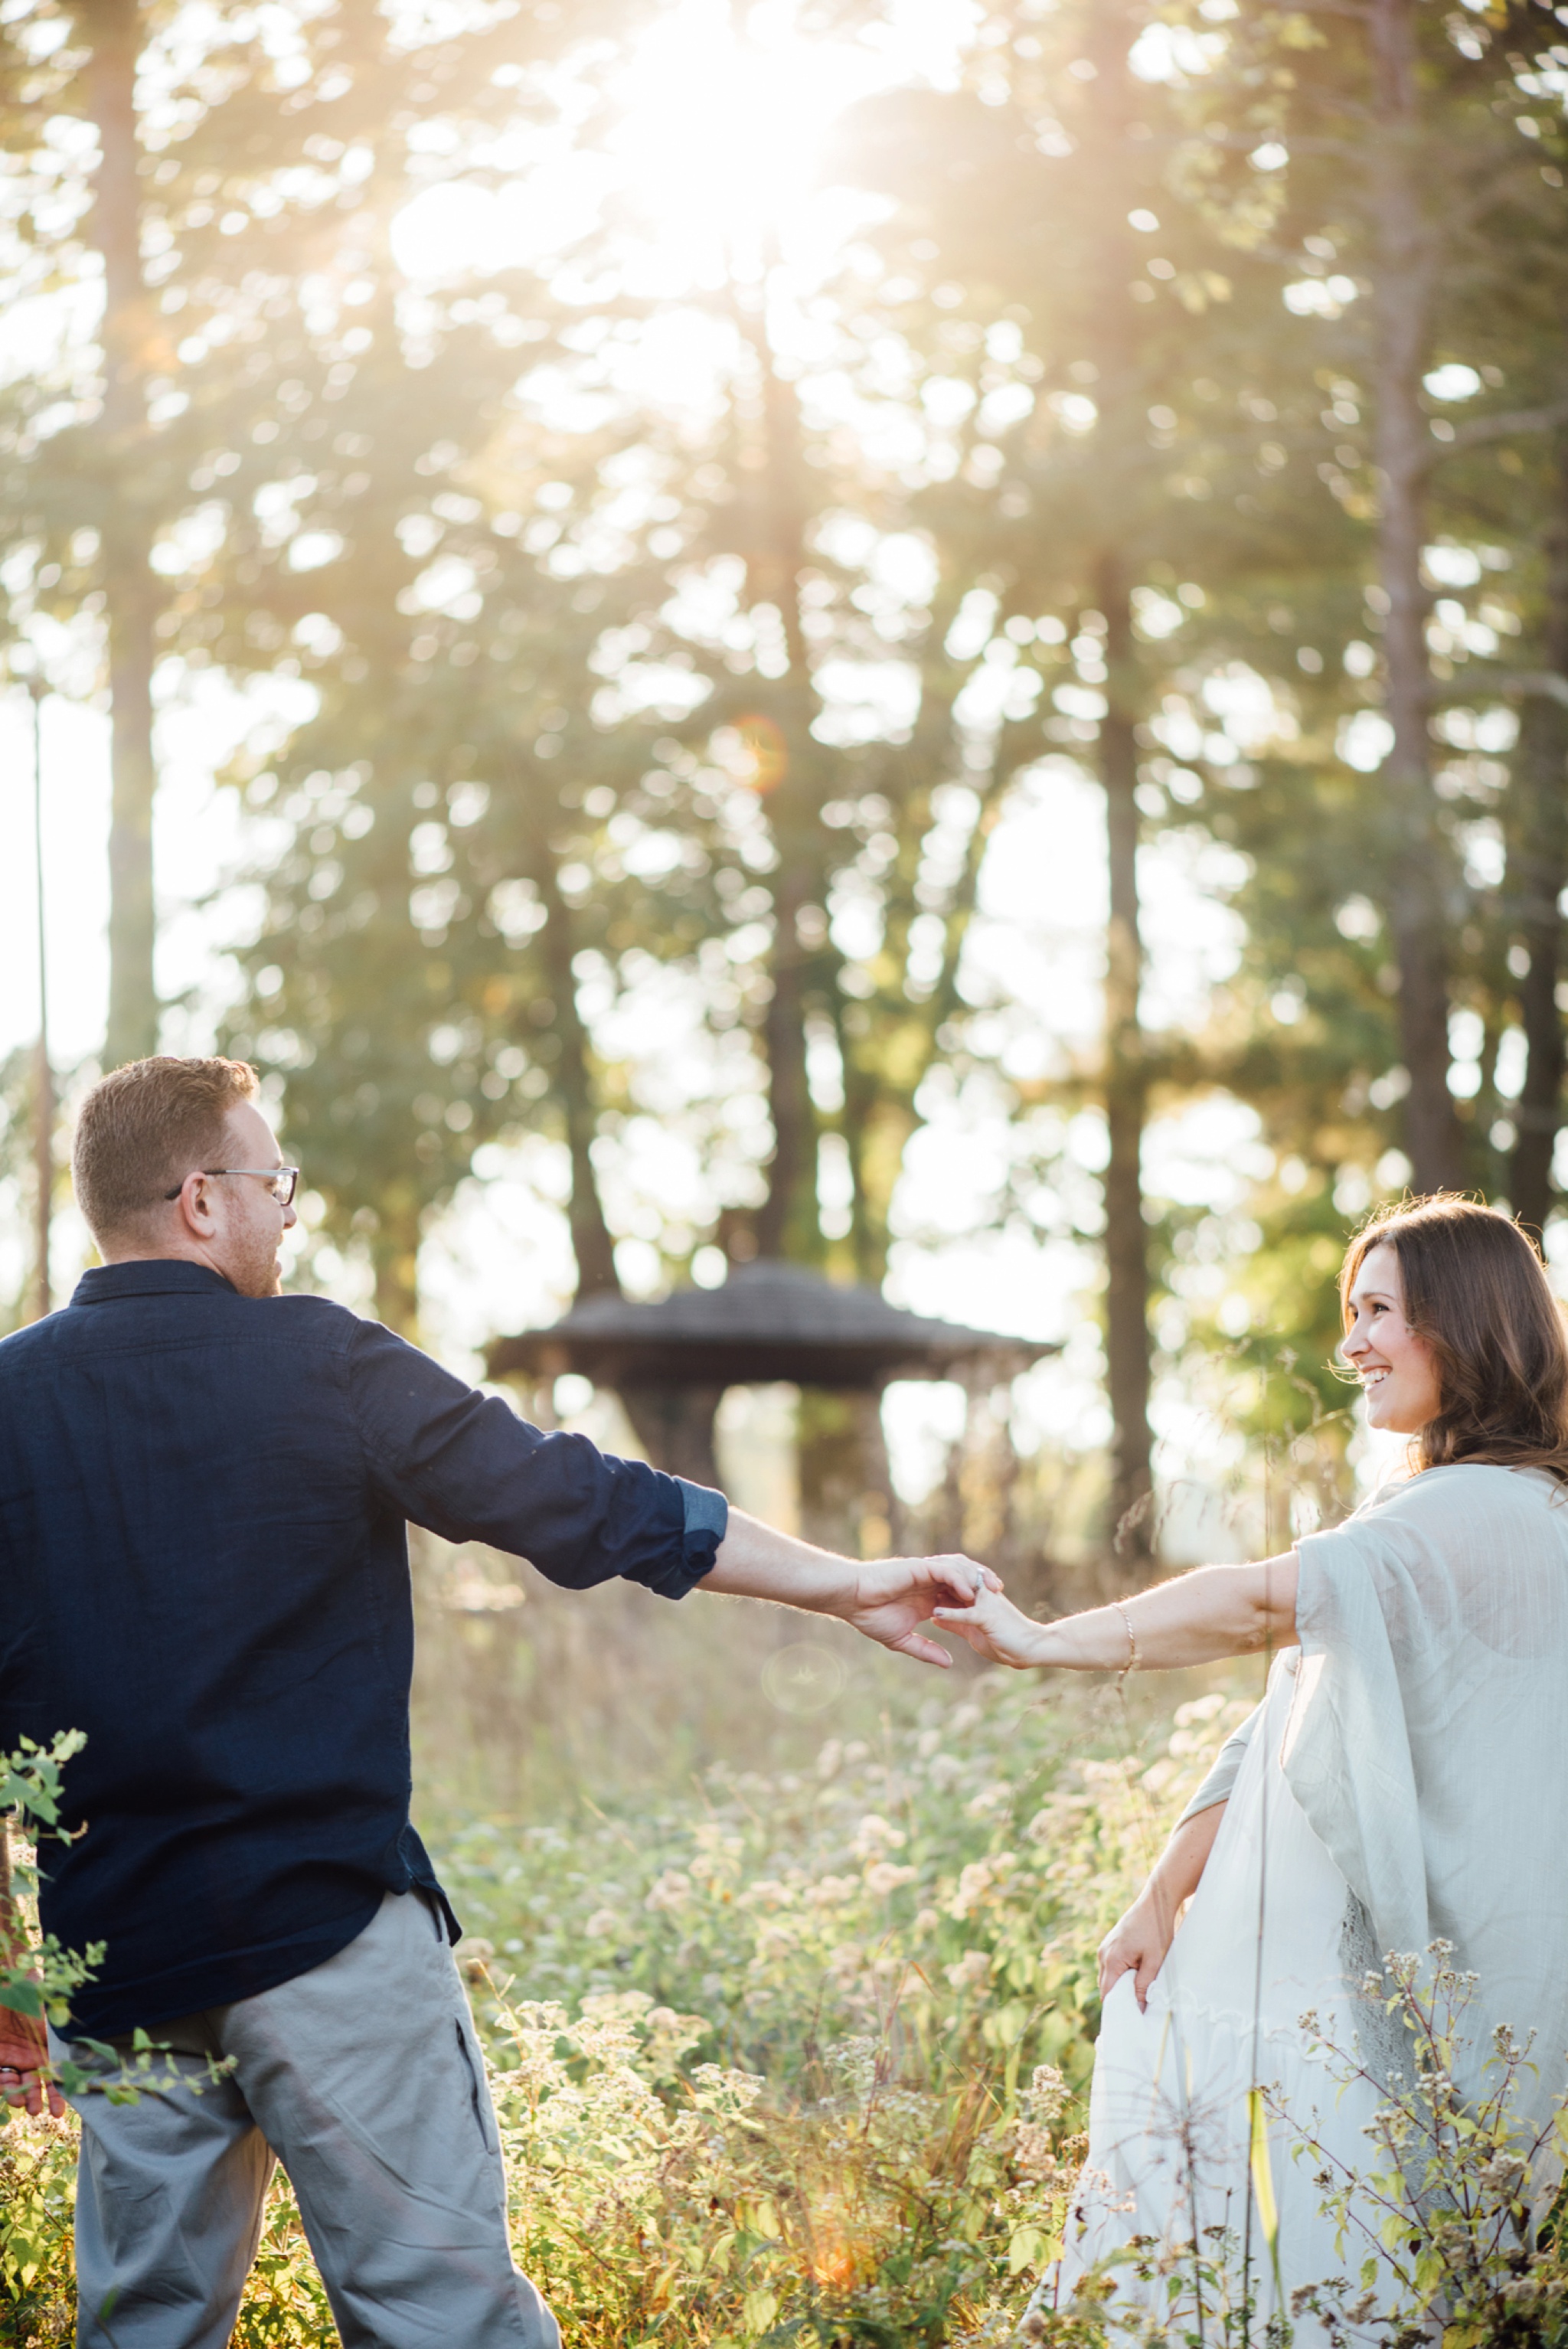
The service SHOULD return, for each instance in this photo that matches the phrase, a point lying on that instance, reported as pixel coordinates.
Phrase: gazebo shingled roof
(768, 1321)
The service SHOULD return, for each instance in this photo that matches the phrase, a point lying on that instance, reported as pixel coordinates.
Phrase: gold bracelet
(1131, 1663)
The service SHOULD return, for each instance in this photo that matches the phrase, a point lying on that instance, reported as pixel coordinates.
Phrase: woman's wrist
(1046, 1648)
(1094, 1642)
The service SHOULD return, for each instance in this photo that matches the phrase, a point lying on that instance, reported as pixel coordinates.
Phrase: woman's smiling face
(1398, 1376)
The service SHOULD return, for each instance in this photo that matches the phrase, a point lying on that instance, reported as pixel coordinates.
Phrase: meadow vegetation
(799, 2057)
(791, 2056)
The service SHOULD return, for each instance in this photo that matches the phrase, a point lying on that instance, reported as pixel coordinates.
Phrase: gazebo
(670, 1362)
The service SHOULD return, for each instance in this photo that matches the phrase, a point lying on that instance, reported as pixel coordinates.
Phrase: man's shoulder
(294, 1320)
(297, 1318)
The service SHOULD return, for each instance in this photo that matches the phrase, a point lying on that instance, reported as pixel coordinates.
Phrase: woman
(1404, 1780)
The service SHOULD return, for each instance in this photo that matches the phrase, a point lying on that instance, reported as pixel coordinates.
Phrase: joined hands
(891, 1598)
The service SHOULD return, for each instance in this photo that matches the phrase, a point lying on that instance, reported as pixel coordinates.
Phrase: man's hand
(23, 2054)
(892, 1597)
(888, 1600)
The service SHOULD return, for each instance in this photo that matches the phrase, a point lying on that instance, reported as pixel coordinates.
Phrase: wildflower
(972, 1971)
(672, 1890)
(1034, 2154)
(874, 1835)
(767, 1888)
(885, 1877)
(1046, 2093)
(832, 1891)
(603, 1922)
(974, 1884)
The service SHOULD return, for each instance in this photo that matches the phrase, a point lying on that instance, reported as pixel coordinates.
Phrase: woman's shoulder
(1463, 1486)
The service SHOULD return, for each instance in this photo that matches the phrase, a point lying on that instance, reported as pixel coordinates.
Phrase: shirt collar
(153, 1276)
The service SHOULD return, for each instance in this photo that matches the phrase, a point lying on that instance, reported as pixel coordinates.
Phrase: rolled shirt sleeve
(464, 1465)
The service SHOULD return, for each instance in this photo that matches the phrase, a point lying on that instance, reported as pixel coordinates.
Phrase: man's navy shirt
(203, 1566)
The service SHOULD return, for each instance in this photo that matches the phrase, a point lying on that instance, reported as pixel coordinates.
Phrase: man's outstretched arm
(887, 1598)
(464, 1464)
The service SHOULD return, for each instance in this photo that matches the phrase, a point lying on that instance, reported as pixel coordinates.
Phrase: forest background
(924, 638)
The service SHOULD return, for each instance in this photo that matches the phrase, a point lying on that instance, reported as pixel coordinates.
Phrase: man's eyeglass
(282, 1181)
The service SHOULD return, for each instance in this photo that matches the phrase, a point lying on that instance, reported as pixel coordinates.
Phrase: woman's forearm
(1138, 1943)
(1178, 1869)
(1214, 1611)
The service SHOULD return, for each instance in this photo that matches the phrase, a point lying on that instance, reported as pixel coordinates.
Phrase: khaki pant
(363, 2077)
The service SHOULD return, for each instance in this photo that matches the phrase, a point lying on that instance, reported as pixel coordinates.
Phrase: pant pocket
(478, 2097)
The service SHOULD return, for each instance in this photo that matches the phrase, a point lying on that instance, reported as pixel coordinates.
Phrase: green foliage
(1447, 2213)
(802, 2060)
(39, 1985)
(798, 2059)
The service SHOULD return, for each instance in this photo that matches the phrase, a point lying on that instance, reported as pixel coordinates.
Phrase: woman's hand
(1215, 1610)
(1137, 1943)
(994, 1627)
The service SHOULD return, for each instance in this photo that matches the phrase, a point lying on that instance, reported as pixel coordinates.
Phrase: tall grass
(777, 2056)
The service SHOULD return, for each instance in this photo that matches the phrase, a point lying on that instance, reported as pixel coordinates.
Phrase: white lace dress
(1406, 1779)
(1171, 2121)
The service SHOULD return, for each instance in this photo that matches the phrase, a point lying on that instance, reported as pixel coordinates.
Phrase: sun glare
(711, 166)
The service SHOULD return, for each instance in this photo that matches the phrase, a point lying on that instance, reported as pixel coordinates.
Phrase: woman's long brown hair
(1476, 1292)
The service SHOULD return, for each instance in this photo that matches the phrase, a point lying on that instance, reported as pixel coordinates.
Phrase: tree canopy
(1179, 401)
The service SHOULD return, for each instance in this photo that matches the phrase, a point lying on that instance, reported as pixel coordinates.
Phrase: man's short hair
(144, 1128)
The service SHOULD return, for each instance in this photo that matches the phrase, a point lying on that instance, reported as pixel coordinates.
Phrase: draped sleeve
(1225, 1769)
(1427, 1743)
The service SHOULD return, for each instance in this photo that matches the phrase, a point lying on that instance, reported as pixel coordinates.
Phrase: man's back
(202, 1559)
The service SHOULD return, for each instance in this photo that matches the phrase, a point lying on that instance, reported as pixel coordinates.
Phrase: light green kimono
(1428, 1743)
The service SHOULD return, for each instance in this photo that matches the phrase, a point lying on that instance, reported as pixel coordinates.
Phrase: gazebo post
(674, 1425)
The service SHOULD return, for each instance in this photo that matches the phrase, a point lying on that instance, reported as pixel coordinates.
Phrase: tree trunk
(1125, 1092)
(592, 1242)
(1540, 856)
(114, 27)
(787, 1223)
(845, 1485)
(1405, 266)
(1122, 392)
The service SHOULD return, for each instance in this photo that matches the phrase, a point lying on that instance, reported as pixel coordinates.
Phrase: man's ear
(193, 1208)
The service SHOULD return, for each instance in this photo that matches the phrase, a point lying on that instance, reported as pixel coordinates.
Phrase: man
(203, 1491)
